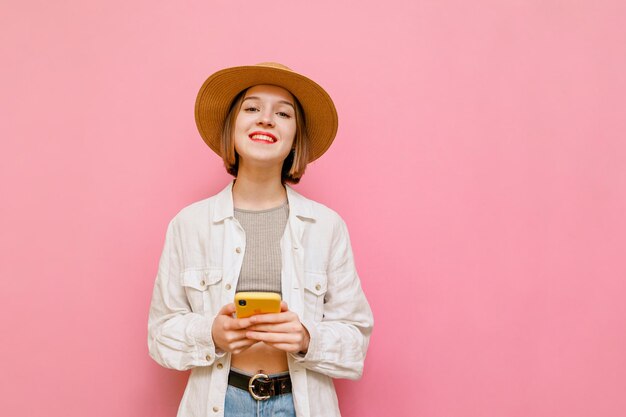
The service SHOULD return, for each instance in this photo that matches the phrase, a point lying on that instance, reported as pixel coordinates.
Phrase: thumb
(283, 306)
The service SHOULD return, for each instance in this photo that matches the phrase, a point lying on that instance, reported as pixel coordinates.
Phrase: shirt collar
(300, 206)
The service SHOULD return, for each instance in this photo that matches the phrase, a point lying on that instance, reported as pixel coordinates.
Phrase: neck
(258, 190)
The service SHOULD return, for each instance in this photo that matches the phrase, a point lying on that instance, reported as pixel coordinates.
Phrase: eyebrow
(258, 98)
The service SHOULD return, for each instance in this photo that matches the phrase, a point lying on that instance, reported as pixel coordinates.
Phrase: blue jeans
(239, 403)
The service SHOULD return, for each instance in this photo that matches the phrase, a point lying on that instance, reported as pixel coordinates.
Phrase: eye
(283, 114)
(251, 109)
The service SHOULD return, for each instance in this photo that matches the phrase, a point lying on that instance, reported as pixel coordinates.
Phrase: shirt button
(216, 409)
(207, 357)
(318, 287)
(227, 287)
(238, 250)
(202, 283)
(220, 366)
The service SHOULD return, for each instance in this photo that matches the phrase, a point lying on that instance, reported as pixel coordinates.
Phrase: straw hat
(220, 89)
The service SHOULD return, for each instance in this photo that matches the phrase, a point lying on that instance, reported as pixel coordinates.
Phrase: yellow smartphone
(251, 303)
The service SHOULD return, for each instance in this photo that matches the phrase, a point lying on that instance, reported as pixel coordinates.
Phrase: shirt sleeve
(177, 337)
(339, 342)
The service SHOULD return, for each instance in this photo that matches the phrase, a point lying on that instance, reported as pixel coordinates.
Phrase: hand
(282, 330)
(229, 333)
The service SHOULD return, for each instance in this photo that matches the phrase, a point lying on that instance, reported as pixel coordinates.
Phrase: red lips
(263, 137)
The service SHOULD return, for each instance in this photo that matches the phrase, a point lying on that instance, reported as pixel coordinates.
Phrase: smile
(263, 137)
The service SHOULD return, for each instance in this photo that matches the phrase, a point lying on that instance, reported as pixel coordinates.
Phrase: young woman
(266, 122)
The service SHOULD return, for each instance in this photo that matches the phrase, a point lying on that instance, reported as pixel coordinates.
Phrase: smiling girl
(258, 234)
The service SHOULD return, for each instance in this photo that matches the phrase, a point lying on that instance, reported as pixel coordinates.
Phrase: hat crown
(273, 65)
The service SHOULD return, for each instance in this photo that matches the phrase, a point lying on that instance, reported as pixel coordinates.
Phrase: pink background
(479, 165)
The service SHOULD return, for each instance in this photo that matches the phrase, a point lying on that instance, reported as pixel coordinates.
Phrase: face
(265, 126)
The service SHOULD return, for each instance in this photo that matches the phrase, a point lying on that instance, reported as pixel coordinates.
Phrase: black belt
(260, 386)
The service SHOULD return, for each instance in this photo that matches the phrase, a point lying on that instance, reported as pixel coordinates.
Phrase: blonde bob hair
(294, 164)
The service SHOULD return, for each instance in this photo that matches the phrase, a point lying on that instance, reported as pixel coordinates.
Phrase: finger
(227, 309)
(231, 336)
(274, 337)
(273, 317)
(243, 345)
(286, 327)
(284, 306)
(237, 324)
(243, 348)
(240, 324)
(286, 347)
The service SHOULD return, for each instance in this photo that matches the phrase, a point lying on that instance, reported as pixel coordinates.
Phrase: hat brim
(220, 89)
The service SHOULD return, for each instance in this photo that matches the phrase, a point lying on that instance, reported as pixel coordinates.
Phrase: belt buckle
(261, 379)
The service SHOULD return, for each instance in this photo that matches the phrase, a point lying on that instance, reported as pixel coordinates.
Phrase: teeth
(263, 137)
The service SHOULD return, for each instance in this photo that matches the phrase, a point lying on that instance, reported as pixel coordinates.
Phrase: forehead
(267, 91)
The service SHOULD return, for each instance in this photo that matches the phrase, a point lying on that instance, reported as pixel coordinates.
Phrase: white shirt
(198, 272)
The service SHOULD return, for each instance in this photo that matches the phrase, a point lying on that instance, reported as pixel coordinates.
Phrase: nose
(265, 119)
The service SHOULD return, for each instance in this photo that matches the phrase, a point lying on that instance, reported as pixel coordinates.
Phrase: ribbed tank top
(262, 264)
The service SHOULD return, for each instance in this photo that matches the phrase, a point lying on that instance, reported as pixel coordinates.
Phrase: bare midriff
(261, 357)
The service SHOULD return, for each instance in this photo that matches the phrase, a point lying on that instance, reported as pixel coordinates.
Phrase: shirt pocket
(203, 289)
(315, 287)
